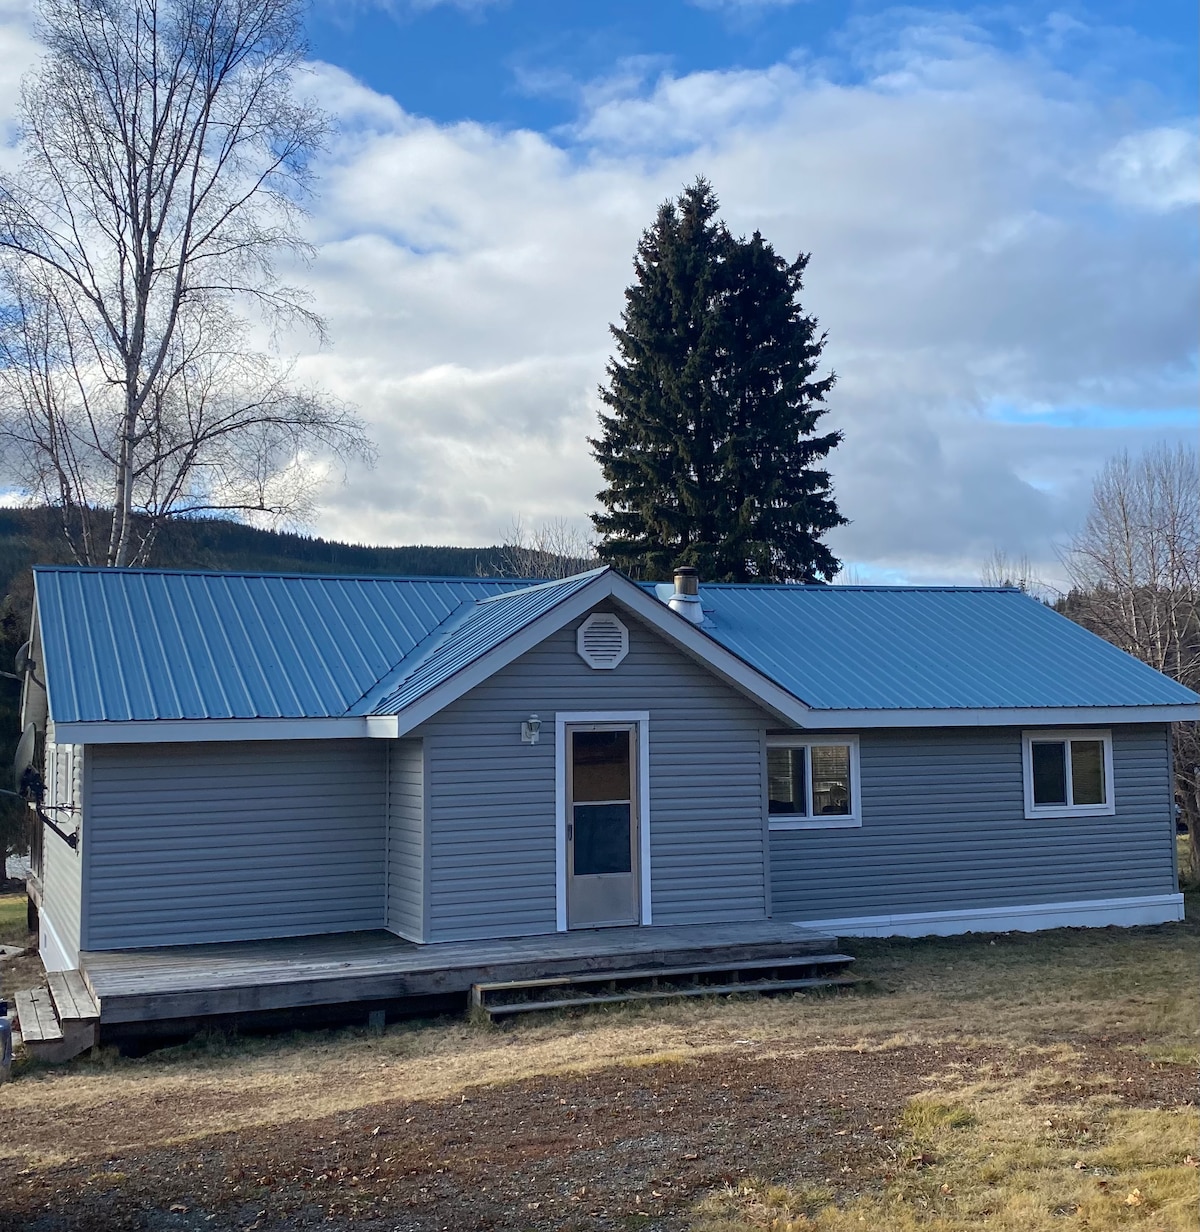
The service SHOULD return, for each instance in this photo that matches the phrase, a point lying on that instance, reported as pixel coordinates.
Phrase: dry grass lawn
(1015, 1083)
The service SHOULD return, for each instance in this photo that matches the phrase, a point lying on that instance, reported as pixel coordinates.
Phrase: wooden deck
(254, 977)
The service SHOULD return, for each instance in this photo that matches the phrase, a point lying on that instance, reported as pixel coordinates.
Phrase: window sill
(1066, 810)
(816, 823)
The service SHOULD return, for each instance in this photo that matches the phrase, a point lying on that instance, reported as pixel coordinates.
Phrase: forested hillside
(32, 536)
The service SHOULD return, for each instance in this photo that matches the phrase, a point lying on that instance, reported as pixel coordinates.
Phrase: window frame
(1070, 809)
(790, 821)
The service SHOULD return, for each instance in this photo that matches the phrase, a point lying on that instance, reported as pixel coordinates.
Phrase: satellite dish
(24, 757)
(24, 660)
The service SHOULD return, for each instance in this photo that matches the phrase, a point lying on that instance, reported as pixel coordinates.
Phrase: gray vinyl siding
(234, 841)
(944, 828)
(62, 866)
(492, 799)
(406, 840)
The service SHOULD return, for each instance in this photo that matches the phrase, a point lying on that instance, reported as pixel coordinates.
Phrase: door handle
(570, 832)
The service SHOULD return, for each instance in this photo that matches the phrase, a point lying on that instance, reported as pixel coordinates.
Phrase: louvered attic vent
(602, 641)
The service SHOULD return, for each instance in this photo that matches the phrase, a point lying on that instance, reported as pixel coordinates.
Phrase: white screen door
(602, 825)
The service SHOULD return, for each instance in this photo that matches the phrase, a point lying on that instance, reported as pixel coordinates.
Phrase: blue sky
(515, 62)
(1000, 202)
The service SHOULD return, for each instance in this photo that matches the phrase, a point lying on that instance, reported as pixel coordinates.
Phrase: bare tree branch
(553, 549)
(1135, 578)
(167, 164)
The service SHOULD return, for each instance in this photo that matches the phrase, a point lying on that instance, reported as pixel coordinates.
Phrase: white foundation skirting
(54, 955)
(1091, 913)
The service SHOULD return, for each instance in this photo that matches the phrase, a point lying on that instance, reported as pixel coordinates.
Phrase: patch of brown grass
(989, 1157)
(1004, 1143)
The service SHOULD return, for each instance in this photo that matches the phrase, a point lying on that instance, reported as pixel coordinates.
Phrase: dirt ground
(1018, 1083)
(629, 1146)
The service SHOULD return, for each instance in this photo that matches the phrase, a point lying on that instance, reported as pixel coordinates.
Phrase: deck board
(248, 976)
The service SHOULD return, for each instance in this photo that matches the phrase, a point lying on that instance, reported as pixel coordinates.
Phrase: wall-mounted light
(531, 730)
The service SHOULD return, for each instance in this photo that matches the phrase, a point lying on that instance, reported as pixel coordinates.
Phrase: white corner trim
(561, 721)
(54, 955)
(190, 731)
(1086, 913)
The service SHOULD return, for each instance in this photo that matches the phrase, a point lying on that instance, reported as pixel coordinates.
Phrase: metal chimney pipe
(686, 599)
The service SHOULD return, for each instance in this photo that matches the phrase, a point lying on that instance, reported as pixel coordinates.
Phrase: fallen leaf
(178, 1208)
(1080, 1165)
(1134, 1198)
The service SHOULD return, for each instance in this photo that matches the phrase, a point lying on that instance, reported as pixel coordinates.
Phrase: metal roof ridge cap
(297, 575)
(432, 642)
(588, 575)
(833, 588)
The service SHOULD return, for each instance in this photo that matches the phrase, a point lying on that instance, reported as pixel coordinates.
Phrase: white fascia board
(1032, 716)
(1028, 917)
(190, 731)
(674, 628)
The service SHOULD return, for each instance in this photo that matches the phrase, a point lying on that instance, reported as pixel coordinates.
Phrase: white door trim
(641, 719)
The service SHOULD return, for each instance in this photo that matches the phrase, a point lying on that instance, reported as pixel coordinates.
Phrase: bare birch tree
(1135, 576)
(1018, 573)
(553, 549)
(167, 163)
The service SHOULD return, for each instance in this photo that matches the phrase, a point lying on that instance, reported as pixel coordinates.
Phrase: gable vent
(602, 641)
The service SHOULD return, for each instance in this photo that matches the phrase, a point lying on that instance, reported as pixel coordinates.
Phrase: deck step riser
(784, 974)
(631, 996)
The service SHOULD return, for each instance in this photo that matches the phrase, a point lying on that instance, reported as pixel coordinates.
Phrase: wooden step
(481, 993)
(72, 1000)
(46, 1037)
(35, 1013)
(665, 994)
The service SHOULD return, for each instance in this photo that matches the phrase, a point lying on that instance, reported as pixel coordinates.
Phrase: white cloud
(18, 52)
(1157, 168)
(986, 232)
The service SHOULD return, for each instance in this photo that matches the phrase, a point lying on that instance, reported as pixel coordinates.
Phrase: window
(1068, 774)
(812, 784)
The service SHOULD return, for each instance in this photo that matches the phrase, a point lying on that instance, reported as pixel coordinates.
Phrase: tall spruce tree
(708, 451)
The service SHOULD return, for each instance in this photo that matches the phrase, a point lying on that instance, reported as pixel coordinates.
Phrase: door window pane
(600, 765)
(1087, 772)
(831, 780)
(785, 781)
(1049, 772)
(602, 839)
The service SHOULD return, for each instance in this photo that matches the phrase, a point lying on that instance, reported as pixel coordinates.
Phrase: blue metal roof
(909, 648)
(127, 644)
(132, 644)
(483, 626)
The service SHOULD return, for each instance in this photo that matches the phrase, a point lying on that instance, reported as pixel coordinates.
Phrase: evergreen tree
(708, 451)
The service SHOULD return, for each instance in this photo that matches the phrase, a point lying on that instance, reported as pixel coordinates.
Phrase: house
(247, 757)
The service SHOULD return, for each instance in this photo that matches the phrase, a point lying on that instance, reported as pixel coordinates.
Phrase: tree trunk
(1191, 810)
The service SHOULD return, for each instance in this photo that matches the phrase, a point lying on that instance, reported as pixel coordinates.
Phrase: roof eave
(1009, 716)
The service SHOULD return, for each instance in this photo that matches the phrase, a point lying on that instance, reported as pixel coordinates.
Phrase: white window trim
(850, 821)
(1034, 811)
(563, 719)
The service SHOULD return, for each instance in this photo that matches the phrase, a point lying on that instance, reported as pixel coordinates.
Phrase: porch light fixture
(531, 730)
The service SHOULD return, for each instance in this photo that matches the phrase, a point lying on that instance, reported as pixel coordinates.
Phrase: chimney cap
(687, 581)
